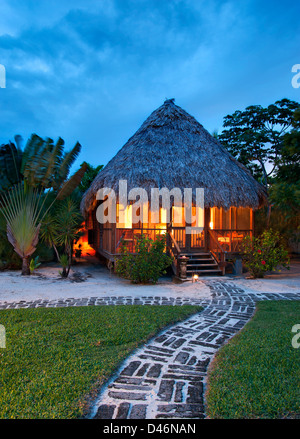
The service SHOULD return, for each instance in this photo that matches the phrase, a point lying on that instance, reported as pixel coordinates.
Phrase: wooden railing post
(222, 258)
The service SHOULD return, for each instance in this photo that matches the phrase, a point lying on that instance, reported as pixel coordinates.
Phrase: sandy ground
(92, 279)
(284, 281)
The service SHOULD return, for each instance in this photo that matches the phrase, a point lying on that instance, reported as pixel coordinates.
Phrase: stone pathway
(166, 378)
(102, 301)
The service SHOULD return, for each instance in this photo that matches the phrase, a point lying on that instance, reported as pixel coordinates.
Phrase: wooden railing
(217, 251)
(230, 240)
(174, 250)
(120, 240)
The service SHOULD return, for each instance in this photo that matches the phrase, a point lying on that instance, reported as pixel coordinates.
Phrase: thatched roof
(171, 149)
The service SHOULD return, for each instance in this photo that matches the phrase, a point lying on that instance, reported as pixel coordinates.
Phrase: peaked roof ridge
(168, 112)
(172, 149)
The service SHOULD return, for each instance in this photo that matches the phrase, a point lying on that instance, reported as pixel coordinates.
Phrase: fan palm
(22, 209)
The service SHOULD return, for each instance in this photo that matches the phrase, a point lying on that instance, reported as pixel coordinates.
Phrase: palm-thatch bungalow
(173, 150)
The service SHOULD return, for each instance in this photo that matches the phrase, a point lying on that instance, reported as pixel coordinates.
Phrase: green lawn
(257, 374)
(56, 358)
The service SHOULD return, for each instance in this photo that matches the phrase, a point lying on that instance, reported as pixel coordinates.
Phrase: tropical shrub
(34, 264)
(64, 261)
(148, 263)
(264, 253)
(60, 228)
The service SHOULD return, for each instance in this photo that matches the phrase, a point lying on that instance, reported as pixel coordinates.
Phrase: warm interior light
(198, 217)
(82, 248)
(212, 214)
(163, 215)
(126, 215)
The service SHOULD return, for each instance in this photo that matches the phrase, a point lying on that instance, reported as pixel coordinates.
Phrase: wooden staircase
(202, 264)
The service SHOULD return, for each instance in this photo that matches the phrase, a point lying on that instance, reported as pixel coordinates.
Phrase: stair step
(211, 264)
(204, 269)
(199, 272)
(201, 263)
(191, 255)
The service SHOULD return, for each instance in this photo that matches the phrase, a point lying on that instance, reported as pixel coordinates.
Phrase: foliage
(264, 253)
(8, 257)
(254, 136)
(60, 229)
(267, 141)
(57, 358)
(257, 374)
(41, 170)
(70, 185)
(34, 264)
(149, 262)
(88, 178)
(285, 190)
(64, 261)
(286, 225)
(22, 210)
(41, 163)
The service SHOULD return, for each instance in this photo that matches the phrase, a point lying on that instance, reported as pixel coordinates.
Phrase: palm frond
(70, 185)
(65, 165)
(22, 210)
(53, 162)
(10, 159)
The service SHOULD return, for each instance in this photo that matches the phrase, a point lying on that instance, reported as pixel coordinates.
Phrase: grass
(56, 359)
(257, 374)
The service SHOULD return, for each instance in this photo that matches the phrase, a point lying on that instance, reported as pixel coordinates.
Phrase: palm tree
(41, 163)
(60, 230)
(22, 210)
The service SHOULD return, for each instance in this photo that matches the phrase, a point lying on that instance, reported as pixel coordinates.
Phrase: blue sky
(93, 71)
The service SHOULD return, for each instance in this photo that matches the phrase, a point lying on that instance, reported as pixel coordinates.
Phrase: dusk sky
(93, 71)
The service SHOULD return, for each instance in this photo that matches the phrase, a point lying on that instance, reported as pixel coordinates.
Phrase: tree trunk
(70, 262)
(56, 252)
(25, 267)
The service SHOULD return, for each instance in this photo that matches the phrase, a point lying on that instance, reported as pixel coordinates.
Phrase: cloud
(93, 71)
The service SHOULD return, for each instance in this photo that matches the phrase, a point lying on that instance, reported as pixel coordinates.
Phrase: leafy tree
(285, 190)
(255, 136)
(89, 176)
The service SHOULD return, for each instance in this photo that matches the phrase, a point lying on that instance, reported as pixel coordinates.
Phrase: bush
(149, 262)
(8, 257)
(265, 253)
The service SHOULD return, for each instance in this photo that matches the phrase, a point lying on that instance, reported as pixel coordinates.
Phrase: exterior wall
(225, 229)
